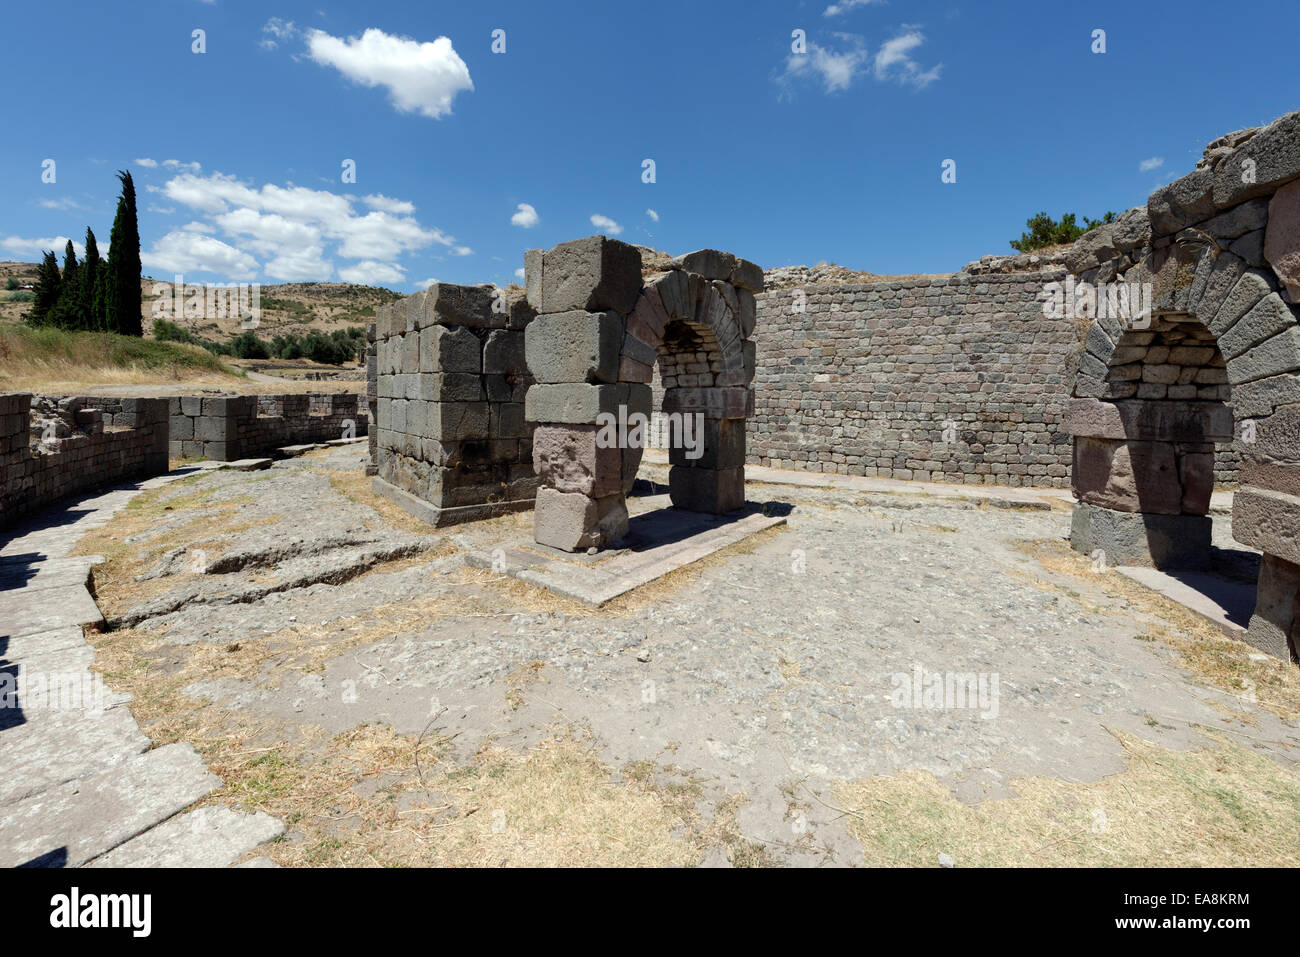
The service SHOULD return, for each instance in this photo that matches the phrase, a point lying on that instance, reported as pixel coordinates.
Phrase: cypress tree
(66, 313)
(46, 292)
(123, 299)
(90, 270)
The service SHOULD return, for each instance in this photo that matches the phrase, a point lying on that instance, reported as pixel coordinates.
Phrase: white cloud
(146, 162)
(425, 283)
(844, 6)
(462, 251)
(185, 250)
(35, 249)
(420, 77)
(388, 204)
(64, 202)
(894, 61)
(519, 274)
(838, 68)
(177, 164)
(1154, 162)
(652, 214)
(161, 210)
(276, 30)
(372, 273)
(605, 224)
(525, 216)
(295, 229)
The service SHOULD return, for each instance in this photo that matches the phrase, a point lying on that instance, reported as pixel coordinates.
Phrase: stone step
(26, 613)
(53, 746)
(204, 837)
(70, 824)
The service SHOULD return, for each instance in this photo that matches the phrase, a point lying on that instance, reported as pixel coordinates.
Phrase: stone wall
(231, 427)
(52, 448)
(955, 378)
(451, 444)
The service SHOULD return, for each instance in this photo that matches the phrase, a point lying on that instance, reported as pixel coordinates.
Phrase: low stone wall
(88, 443)
(451, 444)
(230, 427)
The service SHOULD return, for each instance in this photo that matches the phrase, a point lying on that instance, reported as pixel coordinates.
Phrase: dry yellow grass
(1216, 806)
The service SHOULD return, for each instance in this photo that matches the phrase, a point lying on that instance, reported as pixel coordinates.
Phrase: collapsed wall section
(52, 448)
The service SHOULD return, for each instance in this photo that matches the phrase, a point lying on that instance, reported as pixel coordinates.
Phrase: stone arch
(1213, 358)
(593, 349)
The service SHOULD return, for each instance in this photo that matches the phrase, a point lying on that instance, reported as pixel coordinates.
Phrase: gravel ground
(779, 663)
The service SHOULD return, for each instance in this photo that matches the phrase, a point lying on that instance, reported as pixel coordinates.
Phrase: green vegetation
(94, 296)
(334, 348)
(54, 348)
(1045, 231)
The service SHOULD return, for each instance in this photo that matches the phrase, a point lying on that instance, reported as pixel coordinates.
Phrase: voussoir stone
(1282, 238)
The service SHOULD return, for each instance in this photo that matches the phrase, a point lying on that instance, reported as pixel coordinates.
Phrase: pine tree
(48, 285)
(123, 287)
(92, 316)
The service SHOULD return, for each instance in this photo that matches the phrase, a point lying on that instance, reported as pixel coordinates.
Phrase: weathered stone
(1134, 538)
(747, 313)
(503, 352)
(575, 346)
(1275, 436)
(580, 403)
(1253, 286)
(611, 518)
(709, 263)
(1250, 247)
(1251, 399)
(1282, 239)
(565, 520)
(716, 491)
(1093, 247)
(1131, 229)
(1266, 319)
(717, 444)
(1274, 155)
(1267, 520)
(448, 304)
(592, 275)
(1150, 421)
(1270, 357)
(448, 349)
(1239, 220)
(676, 294)
(715, 403)
(1181, 203)
(533, 277)
(570, 458)
(1126, 475)
(1273, 626)
(747, 275)
(1216, 274)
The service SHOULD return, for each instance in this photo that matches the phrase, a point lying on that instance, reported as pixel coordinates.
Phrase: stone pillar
(1143, 473)
(584, 292)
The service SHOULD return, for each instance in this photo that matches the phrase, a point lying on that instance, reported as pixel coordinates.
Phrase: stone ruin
(1217, 360)
(487, 402)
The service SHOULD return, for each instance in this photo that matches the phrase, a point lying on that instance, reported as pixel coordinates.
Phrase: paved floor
(79, 783)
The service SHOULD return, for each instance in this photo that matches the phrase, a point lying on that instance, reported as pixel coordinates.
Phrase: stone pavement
(79, 783)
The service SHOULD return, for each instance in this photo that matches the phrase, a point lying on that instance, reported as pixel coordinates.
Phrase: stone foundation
(231, 427)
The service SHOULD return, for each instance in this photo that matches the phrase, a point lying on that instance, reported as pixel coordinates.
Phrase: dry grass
(1220, 806)
(1218, 660)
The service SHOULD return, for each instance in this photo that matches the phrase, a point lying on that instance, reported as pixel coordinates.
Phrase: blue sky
(834, 154)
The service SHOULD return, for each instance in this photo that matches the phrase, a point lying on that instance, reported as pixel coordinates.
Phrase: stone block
(611, 518)
(581, 404)
(503, 352)
(715, 491)
(1273, 626)
(1252, 399)
(448, 304)
(449, 349)
(1267, 520)
(1127, 476)
(1215, 277)
(747, 276)
(677, 295)
(446, 387)
(1274, 153)
(1266, 318)
(575, 346)
(709, 444)
(747, 313)
(591, 275)
(1282, 239)
(572, 458)
(1131, 229)
(1249, 289)
(533, 277)
(456, 421)
(565, 520)
(1270, 357)
(1181, 203)
(1134, 538)
(708, 263)
(715, 402)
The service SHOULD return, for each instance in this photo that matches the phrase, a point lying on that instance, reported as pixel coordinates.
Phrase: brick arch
(1216, 361)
